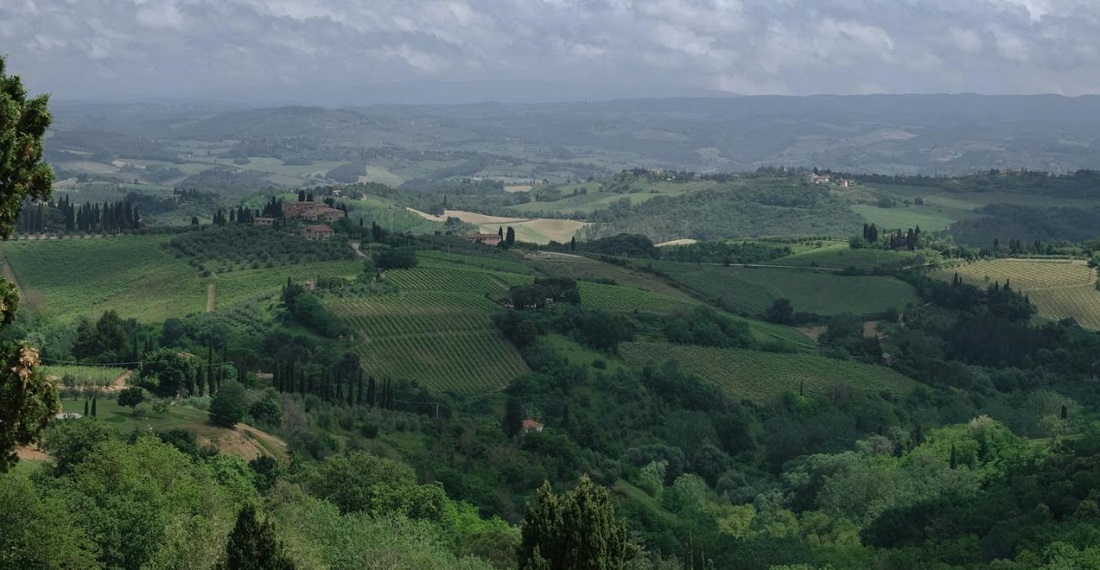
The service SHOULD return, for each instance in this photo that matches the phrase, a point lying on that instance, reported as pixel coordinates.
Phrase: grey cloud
(336, 51)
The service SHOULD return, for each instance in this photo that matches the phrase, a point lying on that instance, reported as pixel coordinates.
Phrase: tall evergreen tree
(252, 545)
(577, 531)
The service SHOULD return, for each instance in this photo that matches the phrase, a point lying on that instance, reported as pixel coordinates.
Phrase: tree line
(63, 215)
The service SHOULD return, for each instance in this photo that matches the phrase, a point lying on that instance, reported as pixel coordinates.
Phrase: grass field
(438, 330)
(138, 277)
(1058, 288)
(760, 376)
(134, 275)
(928, 218)
(754, 289)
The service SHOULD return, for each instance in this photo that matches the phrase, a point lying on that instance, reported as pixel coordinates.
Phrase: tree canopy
(28, 400)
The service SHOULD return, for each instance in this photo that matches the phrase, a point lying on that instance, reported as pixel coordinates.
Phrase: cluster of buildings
(310, 212)
(812, 178)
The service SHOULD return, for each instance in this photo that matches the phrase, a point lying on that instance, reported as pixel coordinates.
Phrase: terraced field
(1058, 288)
(760, 376)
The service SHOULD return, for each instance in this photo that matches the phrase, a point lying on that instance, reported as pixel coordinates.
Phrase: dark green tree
(230, 405)
(573, 243)
(509, 237)
(166, 372)
(93, 406)
(252, 545)
(781, 312)
(513, 417)
(131, 397)
(577, 531)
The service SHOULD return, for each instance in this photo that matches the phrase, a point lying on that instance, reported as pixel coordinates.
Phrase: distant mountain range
(928, 134)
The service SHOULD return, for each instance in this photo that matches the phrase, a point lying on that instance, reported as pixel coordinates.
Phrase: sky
(346, 52)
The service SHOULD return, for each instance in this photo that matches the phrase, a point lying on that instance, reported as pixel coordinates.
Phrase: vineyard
(438, 330)
(84, 376)
(760, 376)
(1058, 288)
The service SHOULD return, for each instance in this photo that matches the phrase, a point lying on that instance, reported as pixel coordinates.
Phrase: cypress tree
(513, 417)
(252, 545)
(954, 457)
(85, 407)
(93, 406)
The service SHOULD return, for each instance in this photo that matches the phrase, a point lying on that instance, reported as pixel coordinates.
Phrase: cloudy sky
(351, 51)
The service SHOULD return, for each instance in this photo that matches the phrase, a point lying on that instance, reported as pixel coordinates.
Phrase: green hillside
(760, 376)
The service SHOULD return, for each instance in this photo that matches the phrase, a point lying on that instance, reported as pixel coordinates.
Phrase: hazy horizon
(338, 53)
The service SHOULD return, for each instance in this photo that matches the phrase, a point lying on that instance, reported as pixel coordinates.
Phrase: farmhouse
(263, 221)
(532, 425)
(812, 178)
(316, 232)
(486, 239)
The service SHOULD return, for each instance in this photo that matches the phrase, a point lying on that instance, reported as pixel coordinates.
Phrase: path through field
(210, 291)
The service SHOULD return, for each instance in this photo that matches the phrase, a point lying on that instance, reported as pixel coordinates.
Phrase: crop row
(1024, 275)
(626, 299)
(72, 375)
(1058, 289)
(1080, 303)
(460, 362)
(452, 279)
(443, 340)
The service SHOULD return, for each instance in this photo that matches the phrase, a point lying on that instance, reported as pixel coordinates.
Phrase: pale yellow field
(533, 230)
(1058, 288)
